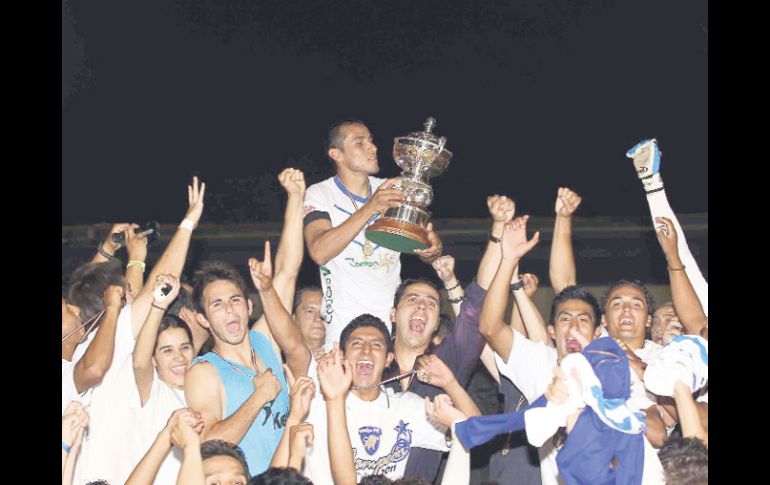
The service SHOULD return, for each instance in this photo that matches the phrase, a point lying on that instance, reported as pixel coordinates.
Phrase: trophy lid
(422, 151)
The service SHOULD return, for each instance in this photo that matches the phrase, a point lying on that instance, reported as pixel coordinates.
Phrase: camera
(149, 229)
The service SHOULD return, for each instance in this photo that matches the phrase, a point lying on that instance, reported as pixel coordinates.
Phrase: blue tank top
(261, 440)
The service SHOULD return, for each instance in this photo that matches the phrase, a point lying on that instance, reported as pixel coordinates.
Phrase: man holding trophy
(356, 224)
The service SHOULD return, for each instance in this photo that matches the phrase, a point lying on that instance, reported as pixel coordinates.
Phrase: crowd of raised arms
(169, 379)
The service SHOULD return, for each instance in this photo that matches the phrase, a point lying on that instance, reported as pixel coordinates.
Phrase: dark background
(531, 95)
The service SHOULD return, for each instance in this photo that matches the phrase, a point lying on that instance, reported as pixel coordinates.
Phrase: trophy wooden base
(396, 235)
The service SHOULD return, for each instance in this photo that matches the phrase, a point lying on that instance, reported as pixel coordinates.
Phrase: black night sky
(531, 95)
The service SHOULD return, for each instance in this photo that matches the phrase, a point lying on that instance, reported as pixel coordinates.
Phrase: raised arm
(502, 209)
(336, 378)
(145, 342)
(91, 368)
(302, 392)
(106, 250)
(432, 370)
(146, 470)
(324, 242)
(458, 466)
(279, 320)
(530, 315)
(173, 258)
(445, 269)
(136, 247)
(203, 393)
(73, 424)
(561, 265)
(686, 303)
(291, 248)
(514, 245)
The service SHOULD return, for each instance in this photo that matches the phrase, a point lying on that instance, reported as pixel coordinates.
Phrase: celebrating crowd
(364, 378)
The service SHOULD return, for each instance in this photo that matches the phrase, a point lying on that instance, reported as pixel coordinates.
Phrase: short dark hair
(365, 320)
(172, 321)
(212, 448)
(88, 283)
(183, 300)
(573, 292)
(334, 135)
(636, 284)
(445, 326)
(415, 480)
(211, 271)
(280, 476)
(98, 482)
(685, 461)
(411, 281)
(298, 295)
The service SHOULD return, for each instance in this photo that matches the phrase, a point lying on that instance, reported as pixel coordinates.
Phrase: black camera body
(149, 229)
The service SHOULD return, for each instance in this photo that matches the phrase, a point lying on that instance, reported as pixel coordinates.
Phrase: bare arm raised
(561, 266)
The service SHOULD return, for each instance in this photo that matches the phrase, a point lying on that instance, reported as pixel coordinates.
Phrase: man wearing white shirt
(357, 276)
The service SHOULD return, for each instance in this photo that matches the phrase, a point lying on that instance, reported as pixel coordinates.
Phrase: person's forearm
(689, 417)
(143, 350)
(461, 399)
(533, 320)
(68, 466)
(493, 309)
(291, 249)
(191, 471)
(97, 359)
(340, 449)
(233, 428)
(686, 303)
(135, 281)
(281, 456)
(561, 264)
(458, 465)
(490, 260)
(656, 430)
(171, 262)
(286, 333)
(330, 243)
(145, 471)
(455, 293)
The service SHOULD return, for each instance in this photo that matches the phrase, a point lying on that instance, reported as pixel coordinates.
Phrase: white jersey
(382, 433)
(352, 282)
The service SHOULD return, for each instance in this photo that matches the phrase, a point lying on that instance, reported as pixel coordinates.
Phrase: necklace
(386, 381)
(367, 247)
(236, 369)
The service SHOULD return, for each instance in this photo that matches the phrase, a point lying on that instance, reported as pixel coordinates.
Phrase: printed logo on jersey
(308, 209)
(387, 463)
(370, 438)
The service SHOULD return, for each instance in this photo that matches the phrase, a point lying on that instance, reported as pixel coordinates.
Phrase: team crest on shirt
(309, 208)
(370, 438)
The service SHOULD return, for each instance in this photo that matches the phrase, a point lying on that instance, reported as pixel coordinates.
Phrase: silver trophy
(421, 155)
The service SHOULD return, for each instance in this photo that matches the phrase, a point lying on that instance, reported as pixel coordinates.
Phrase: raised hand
(302, 393)
(432, 370)
(113, 296)
(266, 385)
(443, 411)
(110, 246)
(184, 427)
(386, 196)
(165, 281)
(530, 284)
(667, 236)
(434, 250)
(501, 208)
(300, 438)
(567, 202)
(334, 374)
(293, 181)
(515, 244)
(262, 271)
(73, 421)
(136, 246)
(195, 194)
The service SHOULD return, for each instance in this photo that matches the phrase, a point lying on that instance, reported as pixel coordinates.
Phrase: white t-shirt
(352, 282)
(69, 392)
(149, 420)
(103, 454)
(530, 368)
(382, 433)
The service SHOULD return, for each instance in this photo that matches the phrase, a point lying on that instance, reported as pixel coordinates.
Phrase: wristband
(65, 447)
(496, 240)
(676, 269)
(135, 262)
(187, 224)
(459, 299)
(454, 287)
(158, 307)
(104, 253)
(517, 286)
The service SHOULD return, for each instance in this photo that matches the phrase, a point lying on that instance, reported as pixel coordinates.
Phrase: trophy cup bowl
(420, 155)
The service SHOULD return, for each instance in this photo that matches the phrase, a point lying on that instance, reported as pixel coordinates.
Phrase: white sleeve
(68, 390)
(659, 207)
(315, 201)
(124, 344)
(426, 434)
(529, 366)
